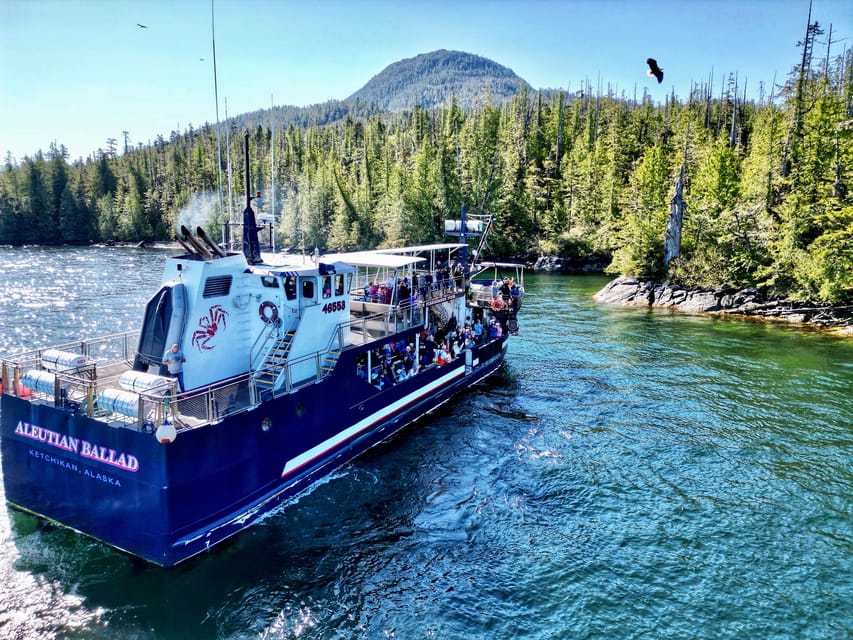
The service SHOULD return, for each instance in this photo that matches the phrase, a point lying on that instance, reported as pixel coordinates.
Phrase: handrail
(266, 334)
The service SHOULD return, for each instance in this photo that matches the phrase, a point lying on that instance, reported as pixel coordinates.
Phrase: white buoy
(166, 433)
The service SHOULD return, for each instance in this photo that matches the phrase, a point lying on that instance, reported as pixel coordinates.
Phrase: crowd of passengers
(421, 287)
(439, 345)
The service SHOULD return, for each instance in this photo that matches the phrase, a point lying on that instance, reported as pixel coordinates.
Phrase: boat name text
(82, 448)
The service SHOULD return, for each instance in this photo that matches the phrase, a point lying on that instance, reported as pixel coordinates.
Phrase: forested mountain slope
(766, 189)
(431, 79)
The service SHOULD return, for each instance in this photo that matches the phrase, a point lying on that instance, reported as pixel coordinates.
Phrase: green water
(629, 474)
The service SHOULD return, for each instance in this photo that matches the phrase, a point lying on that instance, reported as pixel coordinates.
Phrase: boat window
(290, 287)
(216, 286)
(327, 287)
(339, 284)
(307, 288)
(269, 281)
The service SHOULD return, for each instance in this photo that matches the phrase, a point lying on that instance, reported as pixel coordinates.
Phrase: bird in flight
(654, 69)
(142, 26)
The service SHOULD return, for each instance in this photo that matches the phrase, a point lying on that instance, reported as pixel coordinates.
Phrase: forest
(587, 176)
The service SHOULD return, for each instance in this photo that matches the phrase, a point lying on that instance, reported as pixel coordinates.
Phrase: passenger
(442, 357)
(174, 359)
(387, 378)
(429, 351)
(493, 331)
(404, 294)
(506, 292)
(376, 381)
(469, 340)
(478, 330)
(400, 372)
(422, 286)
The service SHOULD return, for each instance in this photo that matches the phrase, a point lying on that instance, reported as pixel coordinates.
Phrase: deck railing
(110, 356)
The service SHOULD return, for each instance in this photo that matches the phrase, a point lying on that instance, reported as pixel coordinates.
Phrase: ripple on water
(629, 474)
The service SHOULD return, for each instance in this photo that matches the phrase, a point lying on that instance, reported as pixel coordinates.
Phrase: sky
(77, 72)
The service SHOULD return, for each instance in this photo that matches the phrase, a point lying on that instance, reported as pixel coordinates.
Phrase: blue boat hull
(168, 502)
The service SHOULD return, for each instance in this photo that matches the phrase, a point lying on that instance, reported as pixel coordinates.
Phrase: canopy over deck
(373, 259)
(423, 248)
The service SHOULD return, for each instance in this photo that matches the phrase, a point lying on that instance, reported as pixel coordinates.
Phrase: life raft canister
(268, 311)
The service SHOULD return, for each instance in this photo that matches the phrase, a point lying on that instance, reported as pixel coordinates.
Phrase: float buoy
(497, 304)
(165, 433)
(267, 306)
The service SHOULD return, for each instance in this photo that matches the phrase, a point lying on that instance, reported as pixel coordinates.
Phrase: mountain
(427, 80)
(430, 79)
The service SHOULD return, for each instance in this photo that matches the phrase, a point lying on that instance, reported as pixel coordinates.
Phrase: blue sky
(80, 71)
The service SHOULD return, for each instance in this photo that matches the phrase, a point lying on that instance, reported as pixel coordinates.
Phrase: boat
(294, 365)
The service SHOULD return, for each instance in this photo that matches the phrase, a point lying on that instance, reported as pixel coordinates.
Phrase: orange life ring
(273, 315)
(497, 304)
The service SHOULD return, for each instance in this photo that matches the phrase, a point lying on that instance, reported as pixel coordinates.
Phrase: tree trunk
(672, 237)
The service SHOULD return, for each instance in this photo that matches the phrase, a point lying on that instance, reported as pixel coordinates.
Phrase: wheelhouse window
(270, 282)
(308, 288)
(339, 284)
(327, 287)
(290, 287)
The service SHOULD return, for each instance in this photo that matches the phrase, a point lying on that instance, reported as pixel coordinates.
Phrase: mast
(463, 231)
(272, 172)
(230, 179)
(251, 245)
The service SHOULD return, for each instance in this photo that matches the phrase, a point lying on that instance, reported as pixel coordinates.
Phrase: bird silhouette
(142, 26)
(654, 69)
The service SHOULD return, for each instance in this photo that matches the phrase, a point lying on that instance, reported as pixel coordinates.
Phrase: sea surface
(628, 474)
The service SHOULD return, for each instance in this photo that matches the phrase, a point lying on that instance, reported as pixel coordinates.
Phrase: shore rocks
(569, 265)
(631, 291)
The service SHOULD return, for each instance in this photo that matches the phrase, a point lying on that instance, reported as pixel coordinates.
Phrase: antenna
(272, 172)
(218, 143)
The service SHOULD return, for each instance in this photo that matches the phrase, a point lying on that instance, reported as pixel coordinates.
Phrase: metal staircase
(327, 365)
(274, 362)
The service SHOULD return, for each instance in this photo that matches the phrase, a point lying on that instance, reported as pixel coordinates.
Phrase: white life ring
(272, 316)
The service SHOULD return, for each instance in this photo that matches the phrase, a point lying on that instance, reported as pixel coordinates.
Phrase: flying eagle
(654, 69)
(142, 26)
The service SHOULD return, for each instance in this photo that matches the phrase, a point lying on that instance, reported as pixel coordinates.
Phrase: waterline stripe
(369, 421)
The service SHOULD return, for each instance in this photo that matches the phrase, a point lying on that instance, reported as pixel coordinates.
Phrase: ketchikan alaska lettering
(78, 446)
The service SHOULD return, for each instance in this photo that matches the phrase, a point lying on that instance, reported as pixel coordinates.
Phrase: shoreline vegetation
(631, 291)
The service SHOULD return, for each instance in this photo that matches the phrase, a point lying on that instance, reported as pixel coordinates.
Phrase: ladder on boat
(274, 363)
(327, 365)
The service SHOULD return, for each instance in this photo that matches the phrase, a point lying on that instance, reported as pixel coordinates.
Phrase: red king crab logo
(209, 325)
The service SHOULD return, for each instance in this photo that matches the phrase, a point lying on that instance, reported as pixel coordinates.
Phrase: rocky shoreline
(634, 292)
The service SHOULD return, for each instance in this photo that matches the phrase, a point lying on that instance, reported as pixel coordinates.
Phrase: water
(630, 474)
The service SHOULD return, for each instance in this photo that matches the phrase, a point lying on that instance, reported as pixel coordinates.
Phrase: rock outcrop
(570, 265)
(631, 291)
